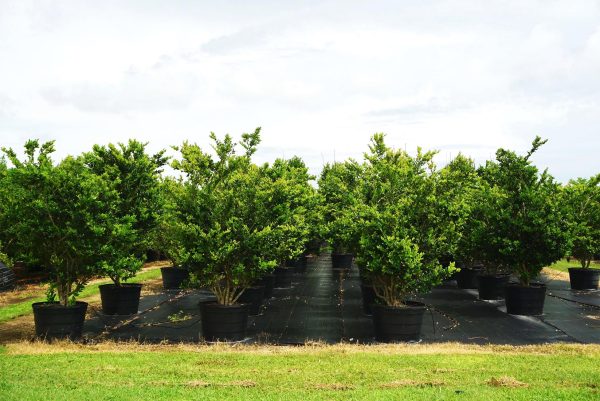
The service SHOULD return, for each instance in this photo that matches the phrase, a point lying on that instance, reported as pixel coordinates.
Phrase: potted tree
(339, 190)
(289, 209)
(166, 235)
(222, 229)
(581, 199)
(405, 231)
(459, 189)
(135, 176)
(7, 276)
(61, 216)
(524, 225)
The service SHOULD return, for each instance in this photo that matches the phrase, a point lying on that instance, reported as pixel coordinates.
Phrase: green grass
(300, 374)
(10, 312)
(563, 266)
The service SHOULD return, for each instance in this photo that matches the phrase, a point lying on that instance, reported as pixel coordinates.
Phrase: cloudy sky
(320, 77)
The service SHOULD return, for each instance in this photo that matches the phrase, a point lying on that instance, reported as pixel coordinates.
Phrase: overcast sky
(320, 77)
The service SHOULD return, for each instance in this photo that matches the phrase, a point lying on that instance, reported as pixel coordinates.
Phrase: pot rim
(497, 275)
(130, 285)
(587, 269)
(214, 304)
(414, 305)
(174, 268)
(57, 305)
(535, 285)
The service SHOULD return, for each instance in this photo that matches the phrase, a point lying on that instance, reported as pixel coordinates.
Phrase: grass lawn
(563, 266)
(339, 372)
(11, 311)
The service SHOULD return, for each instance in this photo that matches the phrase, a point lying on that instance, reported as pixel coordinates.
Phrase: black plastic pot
(253, 297)
(7, 278)
(55, 321)
(341, 260)
(283, 277)
(224, 322)
(521, 300)
(491, 286)
(393, 324)
(173, 277)
(466, 278)
(122, 300)
(368, 298)
(584, 279)
(300, 264)
(268, 282)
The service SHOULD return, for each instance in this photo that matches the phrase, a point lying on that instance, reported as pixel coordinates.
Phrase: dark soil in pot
(253, 297)
(283, 277)
(368, 297)
(268, 282)
(466, 278)
(121, 300)
(584, 279)
(491, 286)
(395, 324)
(173, 277)
(521, 300)
(341, 260)
(54, 321)
(224, 322)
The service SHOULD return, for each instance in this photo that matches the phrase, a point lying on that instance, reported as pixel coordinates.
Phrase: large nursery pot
(341, 260)
(268, 282)
(584, 279)
(368, 297)
(173, 277)
(523, 300)
(120, 300)
(300, 263)
(224, 322)
(492, 286)
(466, 278)
(55, 321)
(283, 277)
(253, 297)
(7, 278)
(394, 324)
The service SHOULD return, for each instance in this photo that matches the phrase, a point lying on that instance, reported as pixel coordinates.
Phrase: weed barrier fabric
(325, 305)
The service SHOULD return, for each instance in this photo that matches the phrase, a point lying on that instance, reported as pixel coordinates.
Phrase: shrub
(581, 201)
(60, 215)
(339, 189)
(135, 177)
(525, 226)
(405, 228)
(222, 226)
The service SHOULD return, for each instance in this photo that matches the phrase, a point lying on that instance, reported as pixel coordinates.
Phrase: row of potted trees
(85, 217)
(411, 225)
(228, 224)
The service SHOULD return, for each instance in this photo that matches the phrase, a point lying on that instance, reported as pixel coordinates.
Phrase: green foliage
(409, 221)
(581, 202)
(134, 175)
(525, 226)
(60, 215)
(225, 218)
(339, 189)
(166, 237)
(289, 206)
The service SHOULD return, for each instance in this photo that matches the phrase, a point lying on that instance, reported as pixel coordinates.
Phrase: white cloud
(319, 77)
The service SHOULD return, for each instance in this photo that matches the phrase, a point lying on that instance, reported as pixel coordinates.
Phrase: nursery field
(126, 371)
(18, 302)
(563, 266)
